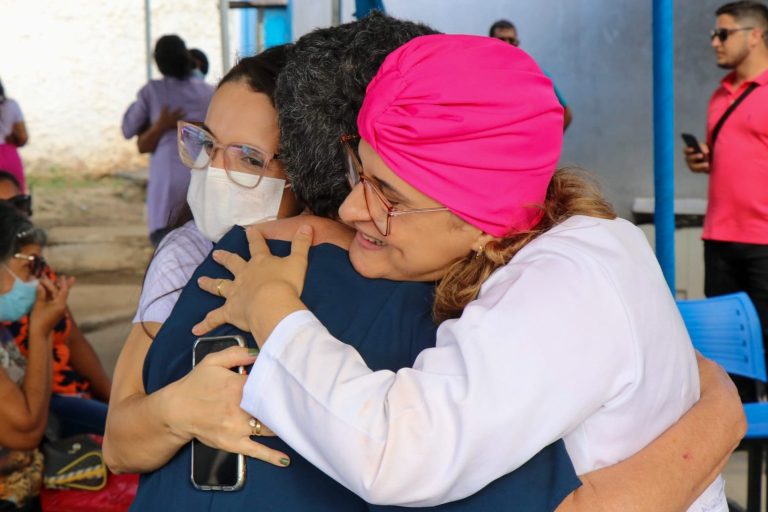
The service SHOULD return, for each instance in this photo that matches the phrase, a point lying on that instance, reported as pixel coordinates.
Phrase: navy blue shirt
(389, 323)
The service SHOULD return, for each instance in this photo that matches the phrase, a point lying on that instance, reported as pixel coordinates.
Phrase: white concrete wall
(74, 66)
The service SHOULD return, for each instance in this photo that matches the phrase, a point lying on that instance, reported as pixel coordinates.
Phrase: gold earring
(479, 251)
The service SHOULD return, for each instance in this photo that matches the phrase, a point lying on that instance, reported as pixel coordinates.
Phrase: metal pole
(224, 21)
(148, 37)
(259, 29)
(664, 136)
(335, 13)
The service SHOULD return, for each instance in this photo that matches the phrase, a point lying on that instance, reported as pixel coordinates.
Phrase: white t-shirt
(176, 258)
(578, 337)
(10, 114)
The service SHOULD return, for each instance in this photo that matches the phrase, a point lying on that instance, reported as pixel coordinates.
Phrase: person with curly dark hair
(153, 116)
(319, 95)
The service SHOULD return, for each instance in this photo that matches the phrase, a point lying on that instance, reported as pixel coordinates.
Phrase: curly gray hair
(319, 93)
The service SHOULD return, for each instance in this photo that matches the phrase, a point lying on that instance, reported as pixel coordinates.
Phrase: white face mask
(218, 204)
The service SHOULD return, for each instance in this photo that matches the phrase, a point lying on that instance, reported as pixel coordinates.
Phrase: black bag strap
(727, 114)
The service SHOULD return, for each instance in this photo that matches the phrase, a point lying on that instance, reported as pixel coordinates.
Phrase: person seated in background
(10, 190)
(153, 116)
(25, 382)
(201, 63)
(77, 371)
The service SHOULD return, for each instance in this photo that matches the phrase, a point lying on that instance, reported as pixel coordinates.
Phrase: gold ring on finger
(255, 426)
(218, 288)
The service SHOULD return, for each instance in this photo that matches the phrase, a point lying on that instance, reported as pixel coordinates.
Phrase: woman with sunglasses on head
(25, 382)
(80, 383)
(236, 179)
(80, 387)
(556, 320)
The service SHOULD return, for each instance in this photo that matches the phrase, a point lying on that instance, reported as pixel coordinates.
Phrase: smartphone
(214, 469)
(692, 142)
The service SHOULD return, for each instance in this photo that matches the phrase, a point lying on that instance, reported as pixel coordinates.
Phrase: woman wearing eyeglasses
(236, 179)
(25, 382)
(556, 320)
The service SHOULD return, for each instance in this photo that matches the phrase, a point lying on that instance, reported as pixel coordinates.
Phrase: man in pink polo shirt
(736, 158)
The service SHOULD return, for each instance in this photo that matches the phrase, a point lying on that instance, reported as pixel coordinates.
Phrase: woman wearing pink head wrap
(556, 320)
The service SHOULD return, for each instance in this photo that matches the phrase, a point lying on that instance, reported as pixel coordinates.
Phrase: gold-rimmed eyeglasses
(197, 147)
(379, 208)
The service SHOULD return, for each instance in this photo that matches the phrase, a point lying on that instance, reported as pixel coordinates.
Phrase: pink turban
(471, 122)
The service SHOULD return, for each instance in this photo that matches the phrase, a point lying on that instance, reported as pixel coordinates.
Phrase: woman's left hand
(264, 290)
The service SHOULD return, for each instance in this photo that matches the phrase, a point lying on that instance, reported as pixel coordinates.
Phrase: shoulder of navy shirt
(389, 323)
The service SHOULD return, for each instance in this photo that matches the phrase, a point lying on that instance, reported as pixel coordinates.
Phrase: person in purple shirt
(153, 117)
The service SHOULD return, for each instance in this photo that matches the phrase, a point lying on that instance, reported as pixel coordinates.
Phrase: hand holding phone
(696, 154)
(693, 143)
(214, 469)
(209, 412)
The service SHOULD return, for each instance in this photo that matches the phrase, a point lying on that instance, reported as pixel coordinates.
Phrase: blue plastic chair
(727, 330)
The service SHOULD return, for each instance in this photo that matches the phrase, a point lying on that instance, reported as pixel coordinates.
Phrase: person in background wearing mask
(201, 63)
(25, 383)
(506, 31)
(77, 371)
(153, 117)
(13, 135)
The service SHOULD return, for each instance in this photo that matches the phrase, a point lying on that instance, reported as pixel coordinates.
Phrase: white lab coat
(578, 337)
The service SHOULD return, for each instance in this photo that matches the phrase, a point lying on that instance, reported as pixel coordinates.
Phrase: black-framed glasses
(722, 33)
(197, 147)
(21, 202)
(379, 208)
(37, 263)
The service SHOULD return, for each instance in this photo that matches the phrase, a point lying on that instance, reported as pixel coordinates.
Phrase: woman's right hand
(50, 304)
(205, 404)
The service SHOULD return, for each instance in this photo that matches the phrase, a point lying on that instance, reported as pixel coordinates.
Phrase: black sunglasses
(723, 33)
(22, 202)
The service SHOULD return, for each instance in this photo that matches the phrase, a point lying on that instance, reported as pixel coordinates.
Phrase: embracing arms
(722, 437)
(672, 471)
(148, 139)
